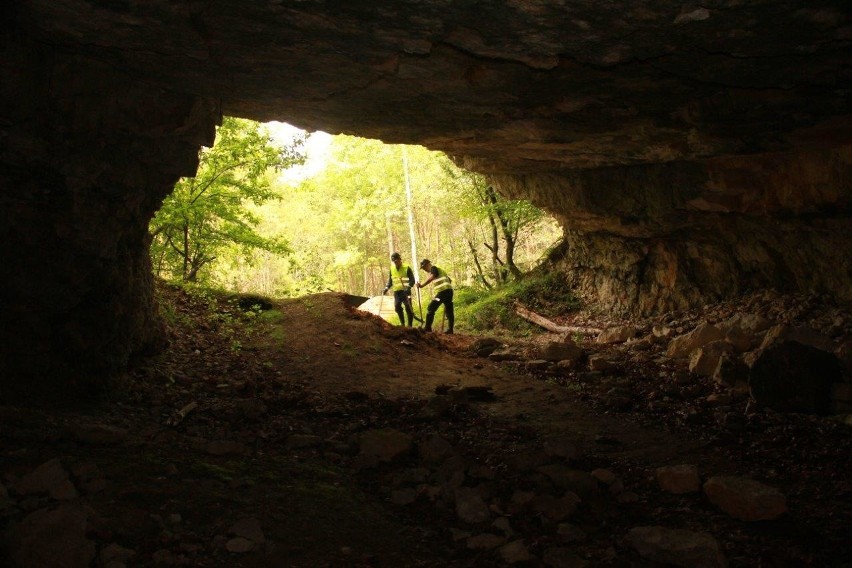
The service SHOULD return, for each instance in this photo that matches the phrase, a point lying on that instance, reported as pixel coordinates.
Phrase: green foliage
(209, 215)
(548, 294)
(341, 220)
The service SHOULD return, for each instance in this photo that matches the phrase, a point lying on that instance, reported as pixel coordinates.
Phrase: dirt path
(352, 351)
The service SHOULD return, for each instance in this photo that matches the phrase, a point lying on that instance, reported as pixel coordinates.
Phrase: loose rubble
(469, 486)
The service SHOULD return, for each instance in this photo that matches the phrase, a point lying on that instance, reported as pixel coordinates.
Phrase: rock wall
(691, 152)
(88, 153)
(652, 238)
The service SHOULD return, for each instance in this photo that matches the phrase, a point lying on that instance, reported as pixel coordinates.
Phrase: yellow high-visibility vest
(400, 277)
(442, 282)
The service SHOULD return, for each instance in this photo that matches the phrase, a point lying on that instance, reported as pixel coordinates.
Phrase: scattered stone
(600, 363)
(485, 346)
(677, 547)
(605, 476)
(704, 360)
(750, 357)
(743, 331)
(537, 365)
(661, 331)
(567, 479)
(806, 336)
(485, 541)
(678, 479)
(562, 557)
(616, 488)
(556, 351)
(165, 557)
(719, 399)
(730, 370)
(793, 377)
(451, 467)
(506, 354)
(627, 498)
(459, 534)
(386, 445)
(682, 346)
(514, 552)
(643, 344)
(248, 528)
(617, 334)
(436, 407)
(470, 507)
(566, 366)
(745, 499)
(54, 538)
(51, 478)
(115, 555)
(503, 525)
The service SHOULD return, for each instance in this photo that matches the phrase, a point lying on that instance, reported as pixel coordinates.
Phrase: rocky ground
(311, 435)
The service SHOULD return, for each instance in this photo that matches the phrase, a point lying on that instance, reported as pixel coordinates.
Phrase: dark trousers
(403, 298)
(444, 297)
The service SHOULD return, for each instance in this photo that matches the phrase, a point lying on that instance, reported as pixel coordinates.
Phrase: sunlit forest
(280, 212)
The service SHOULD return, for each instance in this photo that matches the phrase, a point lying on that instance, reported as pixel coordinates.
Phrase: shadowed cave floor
(312, 435)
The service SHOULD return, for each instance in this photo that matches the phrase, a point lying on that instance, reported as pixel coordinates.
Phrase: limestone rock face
(690, 154)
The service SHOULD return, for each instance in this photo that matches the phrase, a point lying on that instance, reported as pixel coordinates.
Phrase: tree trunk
(542, 321)
(478, 265)
(186, 253)
(411, 232)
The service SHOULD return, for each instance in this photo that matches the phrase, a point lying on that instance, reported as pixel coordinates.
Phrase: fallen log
(542, 321)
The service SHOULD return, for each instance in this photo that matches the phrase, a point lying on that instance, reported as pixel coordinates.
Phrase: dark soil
(273, 405)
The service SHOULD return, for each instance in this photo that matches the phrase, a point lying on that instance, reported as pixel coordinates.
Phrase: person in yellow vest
(443, 290)
(400, 281)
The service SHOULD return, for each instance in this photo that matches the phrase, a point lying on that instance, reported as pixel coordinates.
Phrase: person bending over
(443, 291)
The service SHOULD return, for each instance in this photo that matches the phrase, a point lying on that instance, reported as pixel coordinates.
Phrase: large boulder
(682, 346)
(792, 377)
(677, 547)
(745, 499)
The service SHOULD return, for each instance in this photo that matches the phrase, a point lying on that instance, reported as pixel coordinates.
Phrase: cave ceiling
(507, 87)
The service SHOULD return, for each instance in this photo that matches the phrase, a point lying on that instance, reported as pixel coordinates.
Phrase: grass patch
(493, 310)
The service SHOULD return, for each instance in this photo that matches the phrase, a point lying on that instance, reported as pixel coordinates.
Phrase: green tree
(344, 218)
(210, 213)
(500, 223)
